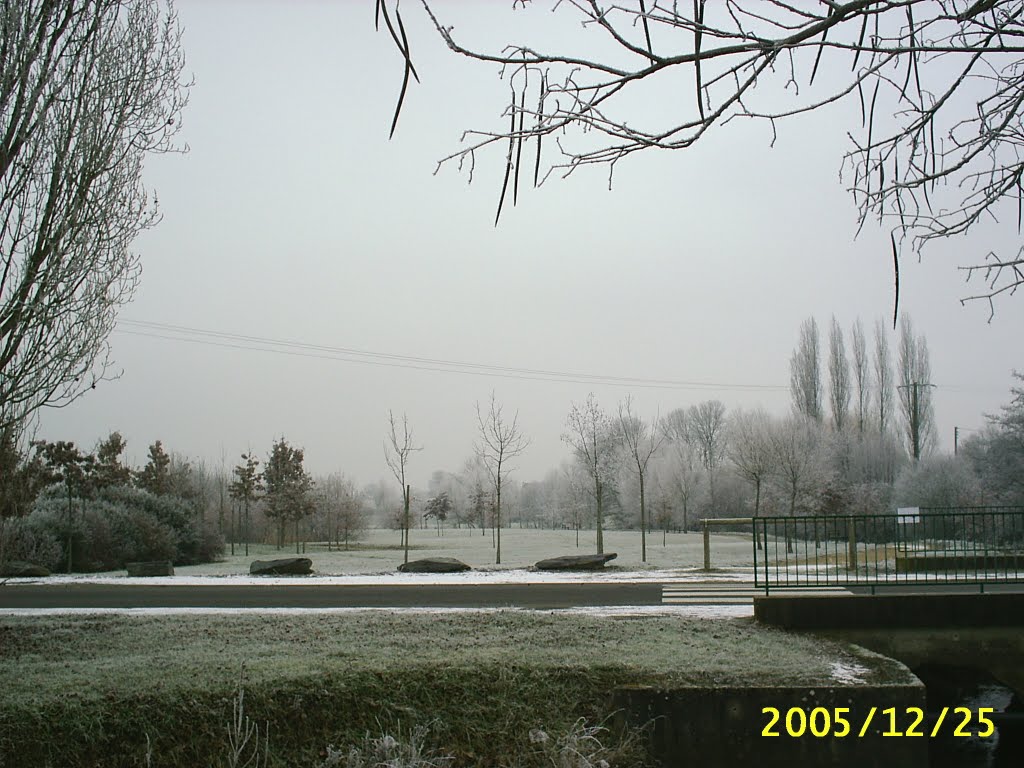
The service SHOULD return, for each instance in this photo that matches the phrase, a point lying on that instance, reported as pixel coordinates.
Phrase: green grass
(88, 690)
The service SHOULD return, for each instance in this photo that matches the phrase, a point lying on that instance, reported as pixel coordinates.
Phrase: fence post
(707, 545)
(851, 541)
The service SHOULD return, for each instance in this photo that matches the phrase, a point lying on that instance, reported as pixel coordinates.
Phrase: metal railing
(938, 546)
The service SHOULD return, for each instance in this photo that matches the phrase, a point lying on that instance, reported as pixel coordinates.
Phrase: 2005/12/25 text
(821, 722)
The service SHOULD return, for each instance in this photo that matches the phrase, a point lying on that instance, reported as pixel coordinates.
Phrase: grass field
(379, 551)
(91, 690)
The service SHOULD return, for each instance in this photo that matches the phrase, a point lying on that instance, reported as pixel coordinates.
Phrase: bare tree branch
(940, 83)
(87, 91)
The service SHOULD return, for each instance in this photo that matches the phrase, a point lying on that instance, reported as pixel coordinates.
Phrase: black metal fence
(971, 545)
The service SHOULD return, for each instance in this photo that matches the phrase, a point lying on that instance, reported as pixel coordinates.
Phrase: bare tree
(861, 374)
(838, 376)
(883, 378)
(707, 432)
(751, 450)
(799, 466)
(805, 372)
(500, 442)
(676, 427)
(87, 91)
(592, 439)
(341, 510)
(939, 84)
(642, 442)
(915, 390)
(398, 447)
(573, 491)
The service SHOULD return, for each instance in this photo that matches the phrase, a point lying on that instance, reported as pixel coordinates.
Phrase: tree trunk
(497, 513)
(757, 512)
(792, 512)
(643, 522)
(599, 491)
(408, 491)
(70, 528)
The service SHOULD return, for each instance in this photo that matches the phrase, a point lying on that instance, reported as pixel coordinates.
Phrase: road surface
(534, 596)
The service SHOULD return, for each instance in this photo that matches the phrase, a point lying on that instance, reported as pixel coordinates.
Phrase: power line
(246, 342)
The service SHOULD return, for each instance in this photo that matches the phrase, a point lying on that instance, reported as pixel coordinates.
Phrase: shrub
(21, 539)
(941, 481)
(121, 524)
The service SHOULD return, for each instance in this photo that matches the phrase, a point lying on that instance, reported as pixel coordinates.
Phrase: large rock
(21, 569)
(575, 562)
(150, 568)
(284, 566)
(434, 565)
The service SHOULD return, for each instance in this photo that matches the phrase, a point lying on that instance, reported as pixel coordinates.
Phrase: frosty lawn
(379, 552)
(84, 690)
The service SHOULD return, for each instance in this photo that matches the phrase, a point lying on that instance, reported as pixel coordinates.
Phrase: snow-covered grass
(95, 688)
(95, 654)
(378, 552)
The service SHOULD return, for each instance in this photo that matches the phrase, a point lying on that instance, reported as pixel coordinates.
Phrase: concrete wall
(712, 727)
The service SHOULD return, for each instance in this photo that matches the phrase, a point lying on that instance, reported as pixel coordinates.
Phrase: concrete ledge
(930, 610)
(712, 727)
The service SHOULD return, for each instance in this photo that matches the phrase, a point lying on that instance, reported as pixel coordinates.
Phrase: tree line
(859, 439)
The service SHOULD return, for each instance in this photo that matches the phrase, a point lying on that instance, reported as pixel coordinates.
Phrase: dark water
(973, 688)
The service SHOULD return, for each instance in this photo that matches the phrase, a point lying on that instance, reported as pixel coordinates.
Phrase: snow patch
(848, 672)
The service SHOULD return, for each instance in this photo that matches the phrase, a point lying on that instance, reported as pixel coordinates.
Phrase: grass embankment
(89, 690)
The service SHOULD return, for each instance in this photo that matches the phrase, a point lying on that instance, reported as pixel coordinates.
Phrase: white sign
(908, 515)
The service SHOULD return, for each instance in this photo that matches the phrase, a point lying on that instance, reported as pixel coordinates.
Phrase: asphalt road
(534, 596)
(538, 596)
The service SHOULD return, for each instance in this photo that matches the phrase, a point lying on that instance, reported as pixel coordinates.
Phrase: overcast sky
(293, 218)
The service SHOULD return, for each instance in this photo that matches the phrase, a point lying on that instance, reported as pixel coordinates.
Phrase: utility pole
(956, 441)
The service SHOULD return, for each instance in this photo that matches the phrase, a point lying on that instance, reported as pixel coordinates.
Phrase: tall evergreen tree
(155, 477)
(109, 469)
(288, 488)
(246, 488)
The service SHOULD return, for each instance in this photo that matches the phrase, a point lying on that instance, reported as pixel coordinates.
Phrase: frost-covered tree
(800, 466)
(88, 90)
(688, 473)
(838, 377)
(640, 441)
(936, 89)
(861, 375)
(398, 448)
(500, 442)
(915, 391)
(593, 440)
(707, 431)
(884, 380)
(805, 372)
(751, 450)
